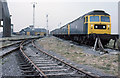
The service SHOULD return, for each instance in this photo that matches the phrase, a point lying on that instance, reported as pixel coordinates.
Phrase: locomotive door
(85, 28)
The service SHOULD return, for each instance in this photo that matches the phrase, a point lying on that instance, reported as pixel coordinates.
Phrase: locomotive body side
(77, 26)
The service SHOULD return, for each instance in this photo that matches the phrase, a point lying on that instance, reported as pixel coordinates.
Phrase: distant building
(35, 32)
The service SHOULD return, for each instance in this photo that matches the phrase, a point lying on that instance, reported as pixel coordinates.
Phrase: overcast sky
(58, 11)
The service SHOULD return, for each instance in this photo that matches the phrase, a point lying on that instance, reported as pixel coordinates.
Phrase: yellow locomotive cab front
(99, 24)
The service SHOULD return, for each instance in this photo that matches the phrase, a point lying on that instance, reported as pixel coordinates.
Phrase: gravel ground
(10, 66)
(107, 63)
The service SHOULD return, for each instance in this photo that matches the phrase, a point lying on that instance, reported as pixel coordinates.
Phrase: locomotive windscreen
(94, 18)
(105, 19)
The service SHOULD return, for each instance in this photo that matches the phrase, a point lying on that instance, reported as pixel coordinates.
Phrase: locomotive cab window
(86, 19)
(105, 19)
(94, 18)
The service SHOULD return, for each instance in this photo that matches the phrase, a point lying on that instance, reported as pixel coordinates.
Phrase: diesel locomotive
(87, 28)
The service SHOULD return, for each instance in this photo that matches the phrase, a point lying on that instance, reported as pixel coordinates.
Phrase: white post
(95, 45)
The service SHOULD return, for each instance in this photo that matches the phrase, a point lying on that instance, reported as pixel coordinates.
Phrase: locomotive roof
(96, 12)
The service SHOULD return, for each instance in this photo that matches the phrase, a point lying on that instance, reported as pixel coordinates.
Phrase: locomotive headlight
(96, 26)
(103, 26)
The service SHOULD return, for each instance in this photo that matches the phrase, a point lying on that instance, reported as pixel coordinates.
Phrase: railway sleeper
(26, 68)
(34, 56)
(44, 62)
(25, 65)
(58, 74)
(63, 69)
(66, 75)
(41, 60)
(38, 58)
(47, 65)
(51, 67)
(29, 71)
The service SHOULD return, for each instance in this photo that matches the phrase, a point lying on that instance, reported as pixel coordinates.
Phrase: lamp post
(34, 3)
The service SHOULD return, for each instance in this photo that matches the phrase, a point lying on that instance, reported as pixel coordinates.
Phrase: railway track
(36, 62)
(17, 38)
(17, 42)
(7, 49)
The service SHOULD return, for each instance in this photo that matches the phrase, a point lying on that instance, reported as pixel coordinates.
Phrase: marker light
(91, 25)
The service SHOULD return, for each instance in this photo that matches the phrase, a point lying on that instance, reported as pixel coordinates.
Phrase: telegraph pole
(34, 3)
(47, 31)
